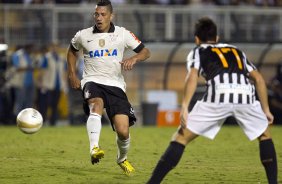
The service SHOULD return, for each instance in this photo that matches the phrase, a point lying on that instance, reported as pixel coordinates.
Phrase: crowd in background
(265, 3)
(34, 78)
(37, 78)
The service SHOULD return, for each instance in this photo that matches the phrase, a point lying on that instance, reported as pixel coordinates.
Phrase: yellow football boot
(96, 154)
(127, 168)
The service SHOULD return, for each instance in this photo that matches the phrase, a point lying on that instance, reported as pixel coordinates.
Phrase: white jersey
(102, 53)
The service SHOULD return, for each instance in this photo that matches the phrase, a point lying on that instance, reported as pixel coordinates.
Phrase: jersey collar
(111, 30)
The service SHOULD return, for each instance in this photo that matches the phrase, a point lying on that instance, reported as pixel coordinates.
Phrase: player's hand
(74, 82)
(128, 64)
(183, 117)
(269, 117)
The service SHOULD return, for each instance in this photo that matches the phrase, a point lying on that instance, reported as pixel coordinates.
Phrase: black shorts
(115, 100)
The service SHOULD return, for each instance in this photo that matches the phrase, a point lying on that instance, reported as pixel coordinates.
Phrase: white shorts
(206, 119)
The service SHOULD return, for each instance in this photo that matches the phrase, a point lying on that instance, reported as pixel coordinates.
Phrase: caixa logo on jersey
(103, 53)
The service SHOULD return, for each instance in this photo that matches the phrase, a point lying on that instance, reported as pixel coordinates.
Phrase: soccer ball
(29, 120)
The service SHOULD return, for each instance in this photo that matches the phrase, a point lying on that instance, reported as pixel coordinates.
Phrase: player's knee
(184, 136)
(265, 135)
(122, 132)
(123, 135)
(96, 105)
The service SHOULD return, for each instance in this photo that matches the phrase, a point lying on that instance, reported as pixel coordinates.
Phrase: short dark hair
(206, 29)
(106, 3)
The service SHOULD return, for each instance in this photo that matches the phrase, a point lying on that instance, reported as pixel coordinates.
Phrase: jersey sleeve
(248, 65)
(132, 42)
(76, 42)
(193, 60)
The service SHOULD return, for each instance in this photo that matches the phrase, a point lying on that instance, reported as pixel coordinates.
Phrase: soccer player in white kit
(103, 84)
(229, 93)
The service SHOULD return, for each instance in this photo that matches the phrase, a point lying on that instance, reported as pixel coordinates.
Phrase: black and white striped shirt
(226, 71)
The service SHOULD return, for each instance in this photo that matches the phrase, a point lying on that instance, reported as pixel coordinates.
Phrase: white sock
(123, 147)
(93, 126)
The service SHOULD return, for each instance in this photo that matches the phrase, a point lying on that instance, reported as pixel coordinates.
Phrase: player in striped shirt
(103, 85)
(230, 92)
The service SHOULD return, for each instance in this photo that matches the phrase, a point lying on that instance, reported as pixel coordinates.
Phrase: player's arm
(190, 86)
(132, 42)
(143, 54)
(262, 93)
(42, 69)
(71, 68)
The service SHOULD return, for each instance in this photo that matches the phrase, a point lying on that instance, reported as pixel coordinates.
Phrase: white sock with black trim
(123, 147)
(93, 126)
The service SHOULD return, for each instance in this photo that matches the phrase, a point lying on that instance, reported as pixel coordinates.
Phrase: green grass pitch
(61, 155)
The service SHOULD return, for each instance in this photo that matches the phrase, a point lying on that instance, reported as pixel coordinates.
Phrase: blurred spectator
(21, 81)
(3, 62)
(9, 75)
(52, 80)
(6, 111)
(76, 113)
(275, 96)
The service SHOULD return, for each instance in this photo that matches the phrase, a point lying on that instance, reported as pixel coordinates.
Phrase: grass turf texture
(61, 155)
